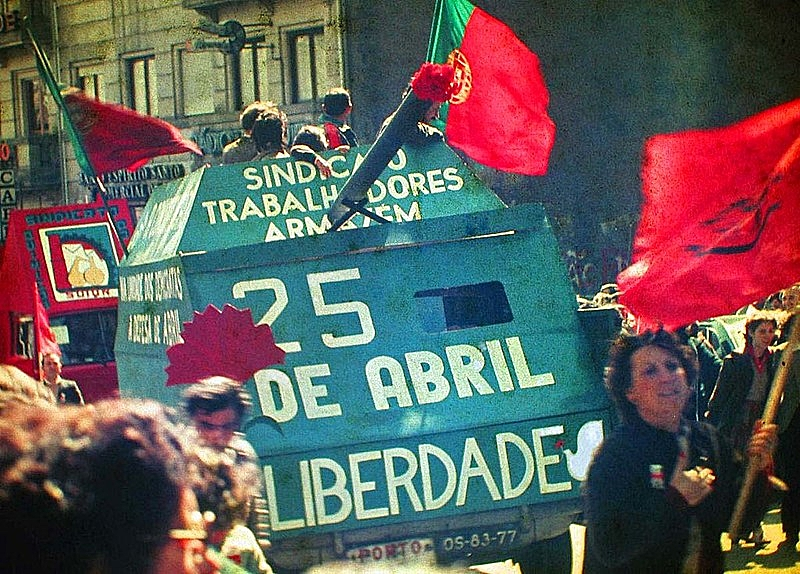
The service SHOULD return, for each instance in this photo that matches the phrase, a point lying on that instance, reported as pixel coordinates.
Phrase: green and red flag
(115, 137)
(108, 137)
(497, 113)
(719, 225)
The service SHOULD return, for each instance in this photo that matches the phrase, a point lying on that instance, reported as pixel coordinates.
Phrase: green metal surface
(434, 367)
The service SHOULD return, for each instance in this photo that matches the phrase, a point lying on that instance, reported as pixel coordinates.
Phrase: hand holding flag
(718, 230)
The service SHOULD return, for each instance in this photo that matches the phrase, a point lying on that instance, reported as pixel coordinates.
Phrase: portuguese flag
(498, 112)
(109, 137)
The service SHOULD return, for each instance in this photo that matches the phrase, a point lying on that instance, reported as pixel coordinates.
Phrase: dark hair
(313, 137)
(215, 394)
(336, 101)
(86, 486)
(269, 131)
(618, 379)
(51, 354)
(249, 115)
(754, 320)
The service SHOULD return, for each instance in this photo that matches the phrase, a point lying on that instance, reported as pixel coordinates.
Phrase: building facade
(192, 63)
(617, 72)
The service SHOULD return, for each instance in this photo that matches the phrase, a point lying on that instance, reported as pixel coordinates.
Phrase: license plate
(397, 552)
(470, 541)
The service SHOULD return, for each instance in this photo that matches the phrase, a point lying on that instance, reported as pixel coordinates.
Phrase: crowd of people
(663, 486)
(128, 486)
(739, 397)
(265, 130)
(265, 133)
(131, 486)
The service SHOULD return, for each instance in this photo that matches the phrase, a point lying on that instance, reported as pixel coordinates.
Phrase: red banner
(719, 226)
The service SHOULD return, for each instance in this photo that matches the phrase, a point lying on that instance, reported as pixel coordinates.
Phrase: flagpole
(770, 410)
(787, 356)
(101, 190)
(49, 78)
(435, 29)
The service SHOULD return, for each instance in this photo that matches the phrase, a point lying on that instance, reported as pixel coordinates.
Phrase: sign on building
(8, 199)
(135, 186)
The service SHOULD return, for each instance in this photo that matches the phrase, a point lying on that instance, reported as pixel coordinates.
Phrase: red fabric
(16, 293)
(224, 343)
(433, 82)
(334, 137)
(45, 337)
(19, 295)
(17, 270)
(503, 123)
(115, 137)
(719, 226)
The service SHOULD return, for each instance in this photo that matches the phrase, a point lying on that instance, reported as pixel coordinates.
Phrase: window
(90, 80)
(38, 120)
(307, 64)
(86, 337)
(24, 342)
(35, 113)
(142, 92)
(253, 61)
(463, 307)
(200, 74)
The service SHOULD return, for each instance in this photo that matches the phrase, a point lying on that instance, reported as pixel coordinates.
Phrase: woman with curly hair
(661, 488)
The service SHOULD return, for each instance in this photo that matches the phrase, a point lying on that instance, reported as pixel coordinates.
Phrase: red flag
(45, 337)
(498, 113)
(720, 222)
(115, 137)
(19, 297)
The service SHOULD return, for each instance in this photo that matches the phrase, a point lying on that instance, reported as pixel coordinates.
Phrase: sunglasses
(197, 527)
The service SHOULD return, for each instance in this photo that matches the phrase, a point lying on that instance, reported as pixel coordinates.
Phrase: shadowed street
(773, 558)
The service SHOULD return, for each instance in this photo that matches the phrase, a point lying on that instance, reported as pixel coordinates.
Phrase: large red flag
(19, 297)
(115, 137)
(720, 222)
(498, 113)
